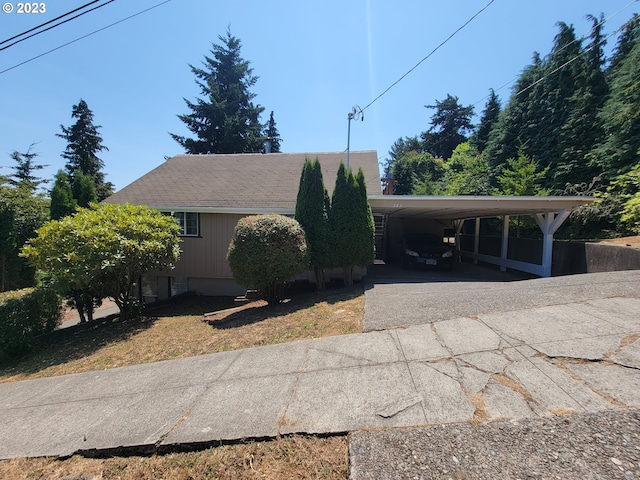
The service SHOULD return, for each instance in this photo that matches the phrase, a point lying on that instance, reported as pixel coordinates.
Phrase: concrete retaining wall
(585, 257)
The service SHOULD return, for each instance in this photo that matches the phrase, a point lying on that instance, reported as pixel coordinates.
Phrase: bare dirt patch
(287, 457)
(178, 330)
(623, 241)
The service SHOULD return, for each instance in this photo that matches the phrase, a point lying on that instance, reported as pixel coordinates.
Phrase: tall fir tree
(583, 130)
(551, 102)
(620, 115)
(84, 143)
(450, 126)
(510, 132)
(312, 212)
(224, 119)
(62, 201)
(272, 135)
(489, 117)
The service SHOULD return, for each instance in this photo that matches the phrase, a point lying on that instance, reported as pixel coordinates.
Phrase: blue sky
(315, 60)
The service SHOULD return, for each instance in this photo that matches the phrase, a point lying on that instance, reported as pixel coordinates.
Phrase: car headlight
(447, 254)
(411, 253)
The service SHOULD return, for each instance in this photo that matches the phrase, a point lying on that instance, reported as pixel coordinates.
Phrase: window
(179, 285)
(189, 223)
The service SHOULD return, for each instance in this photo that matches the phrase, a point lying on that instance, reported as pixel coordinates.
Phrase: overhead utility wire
(54, 26)
(85, 36)
(431, 53)
(50, 21)
(565, 46)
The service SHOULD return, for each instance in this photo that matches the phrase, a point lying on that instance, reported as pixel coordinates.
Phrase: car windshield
(423, 240)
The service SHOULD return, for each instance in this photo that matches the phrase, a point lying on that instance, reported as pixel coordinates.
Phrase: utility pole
(355, 113)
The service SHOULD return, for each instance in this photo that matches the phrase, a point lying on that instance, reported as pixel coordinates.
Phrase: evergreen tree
(350, 224)
(224, 120)
(364, 243)
(583, 130)
(23, 176)
(511, 131)
(84, 191)
(272, 135)
(522, 177)
(312, 212)
(551, 102)
(490, 115)
(450, 125)
(83, 145)
(620, 115)
(62, 201)
(399, 149)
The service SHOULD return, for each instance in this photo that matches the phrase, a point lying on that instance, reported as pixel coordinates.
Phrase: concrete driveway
(395, 297)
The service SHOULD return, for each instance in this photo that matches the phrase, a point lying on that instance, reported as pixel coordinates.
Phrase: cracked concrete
(535, 362)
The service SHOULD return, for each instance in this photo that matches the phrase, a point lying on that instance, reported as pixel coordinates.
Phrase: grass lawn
(176, 330)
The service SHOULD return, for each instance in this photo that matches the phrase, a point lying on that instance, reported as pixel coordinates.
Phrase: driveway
(395, 297)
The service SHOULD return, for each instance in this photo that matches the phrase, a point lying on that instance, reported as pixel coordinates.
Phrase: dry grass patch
(177, 330)
(288, 457)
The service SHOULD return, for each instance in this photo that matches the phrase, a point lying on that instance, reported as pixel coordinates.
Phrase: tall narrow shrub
(312, 212)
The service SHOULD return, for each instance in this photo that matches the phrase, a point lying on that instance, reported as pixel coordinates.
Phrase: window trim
(183, 222)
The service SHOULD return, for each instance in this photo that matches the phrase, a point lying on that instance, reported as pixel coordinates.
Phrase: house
(208, 194)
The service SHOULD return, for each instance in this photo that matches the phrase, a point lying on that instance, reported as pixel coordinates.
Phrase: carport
(452, 212)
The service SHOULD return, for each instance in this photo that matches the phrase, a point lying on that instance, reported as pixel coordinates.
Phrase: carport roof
(462, 207)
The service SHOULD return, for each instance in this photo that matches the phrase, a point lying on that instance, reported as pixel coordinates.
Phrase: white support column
(549, 224)
(476, 242)
(458, 224)
(505, 243)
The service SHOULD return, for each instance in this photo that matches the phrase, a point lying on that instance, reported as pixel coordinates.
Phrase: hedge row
(25, 314)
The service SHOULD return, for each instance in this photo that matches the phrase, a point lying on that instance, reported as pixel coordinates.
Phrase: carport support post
(476, 242)
(505, 243)
(549, 224)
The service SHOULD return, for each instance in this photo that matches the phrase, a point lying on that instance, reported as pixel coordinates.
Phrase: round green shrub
(265, 252)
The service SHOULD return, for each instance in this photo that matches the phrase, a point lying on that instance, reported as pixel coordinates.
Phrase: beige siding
(206, 256)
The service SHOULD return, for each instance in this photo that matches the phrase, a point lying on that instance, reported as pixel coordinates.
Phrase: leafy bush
(265, 252)
(25, 314)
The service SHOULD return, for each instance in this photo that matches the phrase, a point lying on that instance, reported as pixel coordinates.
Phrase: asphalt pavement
(515, 357)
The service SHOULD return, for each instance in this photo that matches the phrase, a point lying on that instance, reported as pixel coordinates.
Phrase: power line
(430, 53)
(54, 26)
(84, 36)
(50, 21)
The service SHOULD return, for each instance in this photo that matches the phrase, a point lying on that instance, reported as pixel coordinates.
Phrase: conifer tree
(349, 225)
(312, 212)
(450, 126)
(62, 201)
(620, 115)
(224, 119)
(24, 169)
(490, 114)
(83, 190)
(84, 143)
(272, 135)
(583, 130)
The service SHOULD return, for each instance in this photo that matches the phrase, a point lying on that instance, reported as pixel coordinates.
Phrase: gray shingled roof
(249, 182)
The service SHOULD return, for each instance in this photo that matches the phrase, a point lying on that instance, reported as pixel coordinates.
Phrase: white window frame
(183, 221)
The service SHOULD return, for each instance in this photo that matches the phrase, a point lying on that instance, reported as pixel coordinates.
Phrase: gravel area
(604, 445)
